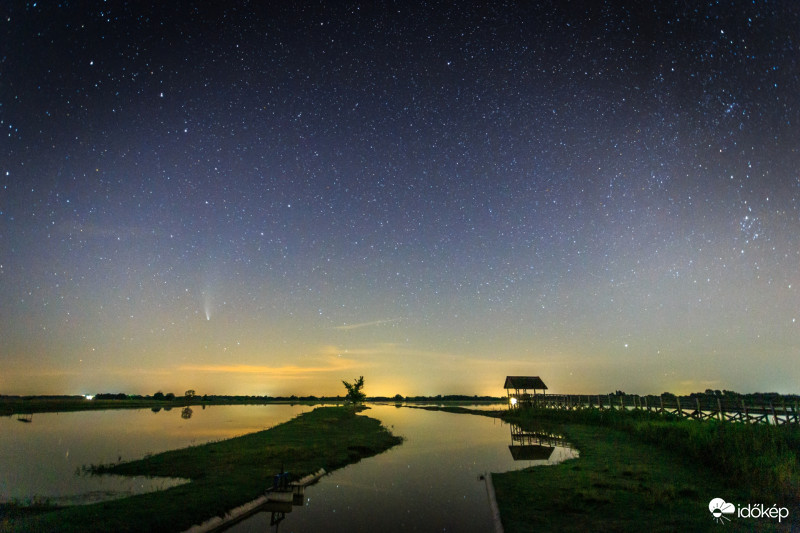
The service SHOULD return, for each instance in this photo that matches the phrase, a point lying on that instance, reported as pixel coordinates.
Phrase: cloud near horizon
(348, 327)
(335, 364)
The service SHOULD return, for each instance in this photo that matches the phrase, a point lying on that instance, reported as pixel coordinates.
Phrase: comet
(207, 305)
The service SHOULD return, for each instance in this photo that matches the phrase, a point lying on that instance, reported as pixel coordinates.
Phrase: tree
(169, 396)
(158, 396)
(190, 394)
(354, 393)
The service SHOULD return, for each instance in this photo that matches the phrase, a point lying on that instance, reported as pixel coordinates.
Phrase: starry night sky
(244, 198)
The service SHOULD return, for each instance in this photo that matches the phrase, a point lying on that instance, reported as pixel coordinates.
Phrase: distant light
(89, 396)
(513, 401)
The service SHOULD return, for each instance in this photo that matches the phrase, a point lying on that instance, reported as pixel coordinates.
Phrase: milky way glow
(601, 193)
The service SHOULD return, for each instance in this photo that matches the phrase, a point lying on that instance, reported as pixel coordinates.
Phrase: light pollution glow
(431, 199)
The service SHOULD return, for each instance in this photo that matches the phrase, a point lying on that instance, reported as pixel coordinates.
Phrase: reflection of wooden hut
(525, 390)
(25, 417)
(530, 452)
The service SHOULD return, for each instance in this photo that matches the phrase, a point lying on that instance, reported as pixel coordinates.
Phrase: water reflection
(39, 459)
(539, 445)
(281, 499)
(431, 482)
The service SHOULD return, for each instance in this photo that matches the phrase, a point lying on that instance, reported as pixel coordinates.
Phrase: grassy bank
(644, 472)
(224, 474)
(768, 457)
(15, 405)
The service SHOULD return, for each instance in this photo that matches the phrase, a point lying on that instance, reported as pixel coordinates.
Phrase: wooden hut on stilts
(524, 390)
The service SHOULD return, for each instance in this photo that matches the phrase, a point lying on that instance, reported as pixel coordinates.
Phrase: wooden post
(680, 411)
(661, 401)
(744, 408)
(646, 405)
(699, 412)
(719, 409)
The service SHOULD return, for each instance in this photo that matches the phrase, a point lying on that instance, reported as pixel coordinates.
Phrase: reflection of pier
(533, 445)
(25, 417)
(278, 500)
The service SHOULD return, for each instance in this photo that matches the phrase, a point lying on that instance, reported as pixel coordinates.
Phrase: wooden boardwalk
(706, 408)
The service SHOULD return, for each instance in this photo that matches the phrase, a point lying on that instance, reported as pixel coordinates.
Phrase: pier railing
(695, 407)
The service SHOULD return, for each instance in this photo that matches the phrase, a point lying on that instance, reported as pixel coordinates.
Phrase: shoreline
(224, 474)
(11, 406)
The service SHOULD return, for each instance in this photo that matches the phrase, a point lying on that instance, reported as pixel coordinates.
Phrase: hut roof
(524, 382)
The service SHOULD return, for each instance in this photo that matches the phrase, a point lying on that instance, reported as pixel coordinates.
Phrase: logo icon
(719, 508)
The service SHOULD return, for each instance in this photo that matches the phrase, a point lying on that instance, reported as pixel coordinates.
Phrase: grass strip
(624, 481)
(224, 474)
(766, 456)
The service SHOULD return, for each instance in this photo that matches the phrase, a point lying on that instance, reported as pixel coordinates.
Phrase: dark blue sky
(258, 199)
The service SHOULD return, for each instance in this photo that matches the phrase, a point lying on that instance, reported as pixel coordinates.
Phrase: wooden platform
(277, 502)
(709, 408)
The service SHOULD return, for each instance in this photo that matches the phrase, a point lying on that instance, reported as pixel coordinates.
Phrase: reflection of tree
(186, 413)
(155, 409)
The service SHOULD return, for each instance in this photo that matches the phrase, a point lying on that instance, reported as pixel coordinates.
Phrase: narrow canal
(431, 482)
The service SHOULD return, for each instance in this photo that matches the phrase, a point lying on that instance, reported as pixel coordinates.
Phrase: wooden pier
(278, 500)
(693, 407)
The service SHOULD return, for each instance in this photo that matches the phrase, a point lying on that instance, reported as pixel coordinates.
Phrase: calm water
(428, 483)
(39, 459)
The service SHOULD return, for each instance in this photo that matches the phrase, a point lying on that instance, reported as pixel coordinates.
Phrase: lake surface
(40, 459)
(431, 482)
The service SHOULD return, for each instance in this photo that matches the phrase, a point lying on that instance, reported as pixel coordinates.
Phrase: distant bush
(111, 396)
